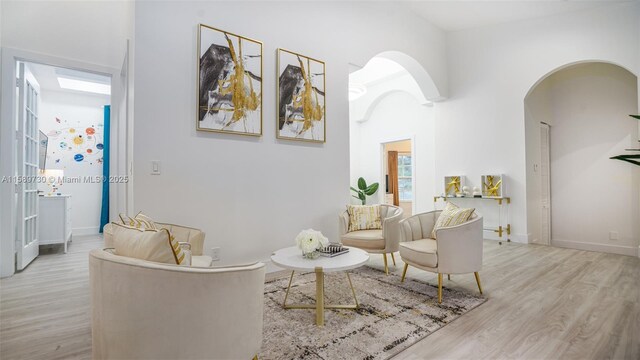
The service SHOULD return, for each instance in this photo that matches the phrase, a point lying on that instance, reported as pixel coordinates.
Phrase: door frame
(8, 216)
(544, 125)
(412, 138)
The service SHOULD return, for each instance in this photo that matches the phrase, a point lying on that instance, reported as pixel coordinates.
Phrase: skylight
(85, 86)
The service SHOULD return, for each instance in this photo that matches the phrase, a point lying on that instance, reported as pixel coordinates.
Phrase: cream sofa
(457, 250)
(383, 241)
(147, 310)
(194, 237)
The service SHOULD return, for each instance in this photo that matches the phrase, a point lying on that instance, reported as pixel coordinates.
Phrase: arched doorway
(391, 112)
(576, 118)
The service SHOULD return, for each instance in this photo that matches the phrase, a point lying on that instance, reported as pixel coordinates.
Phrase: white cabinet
(55, 220)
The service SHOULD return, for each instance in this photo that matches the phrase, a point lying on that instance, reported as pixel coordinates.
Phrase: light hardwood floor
(544, 303)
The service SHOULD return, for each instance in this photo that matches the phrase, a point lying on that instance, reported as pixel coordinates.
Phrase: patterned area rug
(392, 316)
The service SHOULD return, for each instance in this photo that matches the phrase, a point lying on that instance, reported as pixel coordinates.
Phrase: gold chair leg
(394, 259)
(404, 272)
(386, 267)
(448, 276)
(439, 288)
(478, 281)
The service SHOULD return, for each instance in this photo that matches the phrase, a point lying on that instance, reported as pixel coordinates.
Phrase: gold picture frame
(229, 87)
(301, 97)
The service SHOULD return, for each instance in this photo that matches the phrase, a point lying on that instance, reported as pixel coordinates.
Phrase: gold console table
(504, 220)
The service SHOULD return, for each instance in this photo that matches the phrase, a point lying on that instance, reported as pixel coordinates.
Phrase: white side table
(291, 258)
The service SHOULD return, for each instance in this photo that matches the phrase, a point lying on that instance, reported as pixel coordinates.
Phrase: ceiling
(462, 15)
(47, 77)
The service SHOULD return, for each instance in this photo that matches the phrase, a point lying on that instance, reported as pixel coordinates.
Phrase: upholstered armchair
(382, 241)
(457, 250)
(148, 310)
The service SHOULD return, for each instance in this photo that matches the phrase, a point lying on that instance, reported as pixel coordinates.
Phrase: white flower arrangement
(311, 240)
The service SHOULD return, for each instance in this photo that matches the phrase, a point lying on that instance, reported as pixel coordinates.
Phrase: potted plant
(363, 190)
(630, 158)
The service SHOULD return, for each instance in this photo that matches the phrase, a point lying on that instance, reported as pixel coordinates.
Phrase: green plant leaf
(354, 189)
(628, 158)
(635, 116)
(362, 185)
(372, 189)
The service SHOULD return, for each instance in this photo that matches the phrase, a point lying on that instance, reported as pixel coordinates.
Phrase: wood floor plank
(544, 303)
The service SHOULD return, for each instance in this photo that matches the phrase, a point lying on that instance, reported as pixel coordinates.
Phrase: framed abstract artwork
(229, 83)
(300, 98)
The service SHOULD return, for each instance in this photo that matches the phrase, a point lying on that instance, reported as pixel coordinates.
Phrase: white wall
(591, 194)
(480, 128)
(397, 116)
(87, 31)
(253, 195)
(76, 112)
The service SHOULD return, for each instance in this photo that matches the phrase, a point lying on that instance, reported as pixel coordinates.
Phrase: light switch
(155, 167)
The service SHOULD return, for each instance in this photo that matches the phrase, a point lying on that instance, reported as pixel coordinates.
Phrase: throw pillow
(363, 217)
(147, 221)
(131, 222)
(147, 244)
(451, 215)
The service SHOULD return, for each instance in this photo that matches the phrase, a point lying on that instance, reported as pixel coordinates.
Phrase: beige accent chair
(147, 310)
(383, 241)
(191, 236)
(457, 250)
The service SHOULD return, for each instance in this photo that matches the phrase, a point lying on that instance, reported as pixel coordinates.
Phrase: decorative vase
(310, 255)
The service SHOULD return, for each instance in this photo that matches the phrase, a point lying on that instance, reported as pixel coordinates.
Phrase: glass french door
(28, 132)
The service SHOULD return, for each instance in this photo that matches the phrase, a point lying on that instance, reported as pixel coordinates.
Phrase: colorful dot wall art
(78, 146)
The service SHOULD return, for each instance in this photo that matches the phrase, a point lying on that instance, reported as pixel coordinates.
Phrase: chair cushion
(422, 252)
(451, 215)
(201, 261)
(362, 217)
(364, 239)
(146, 244)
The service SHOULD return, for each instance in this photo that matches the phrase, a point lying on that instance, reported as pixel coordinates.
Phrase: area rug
(392, 316)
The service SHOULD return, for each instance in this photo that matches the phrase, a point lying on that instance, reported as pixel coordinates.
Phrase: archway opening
(576, 118)
(390, 103)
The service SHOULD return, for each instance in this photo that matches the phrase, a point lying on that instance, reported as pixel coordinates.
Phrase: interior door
(545, 186)
(27, 139)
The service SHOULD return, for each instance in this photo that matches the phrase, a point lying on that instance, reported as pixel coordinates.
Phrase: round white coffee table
(291, 258)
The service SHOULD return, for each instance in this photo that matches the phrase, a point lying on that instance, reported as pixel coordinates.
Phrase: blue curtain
(104, 213)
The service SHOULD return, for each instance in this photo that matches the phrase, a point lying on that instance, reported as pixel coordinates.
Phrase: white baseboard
(607, 248)
(86, 231)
